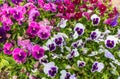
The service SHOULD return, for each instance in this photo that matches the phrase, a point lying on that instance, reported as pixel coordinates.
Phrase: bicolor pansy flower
(51, 45)
(111, 42)
(80, 63)
(77, 44)
(78, 30)
(59, 40)
(62, 23)
(50, 69)
(97, 66)
(95, 19)
(67, 75)
(95, 34)
(73, 53)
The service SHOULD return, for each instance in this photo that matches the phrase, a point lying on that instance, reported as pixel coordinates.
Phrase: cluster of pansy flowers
(66, 10)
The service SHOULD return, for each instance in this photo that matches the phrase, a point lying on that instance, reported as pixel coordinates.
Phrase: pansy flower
(59, 40)
(62, 23)
(77, 44)
(7, 48)
(50, 69)
(111, 42)
(26, 44)
(61, 8)
(67, 75)
(73, 53)
(80, 63)
(112, 21)
(2, 35)
(17, 13)
(79, 30)
(16, 1)
(70, 8)
(95, 19)
(118, 33)
(93, 1)
(51, 45)
(43, 34)
(78, 15)
(33, 28)
(95, 34)
(33, 14)
(97, 66)
(19, 55)
(102, 8)
(76, 1)
(37, 52)
(108, 54)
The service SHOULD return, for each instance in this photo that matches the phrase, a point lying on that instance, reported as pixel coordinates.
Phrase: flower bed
(59, 39)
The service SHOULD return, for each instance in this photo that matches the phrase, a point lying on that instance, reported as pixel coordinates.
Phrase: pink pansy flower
(26, 44)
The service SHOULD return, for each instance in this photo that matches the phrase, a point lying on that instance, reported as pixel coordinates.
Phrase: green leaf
(3, 63)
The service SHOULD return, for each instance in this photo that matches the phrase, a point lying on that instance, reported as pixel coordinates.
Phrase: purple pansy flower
(7, 48)
(17, 15)
(50, 69)
(16, 1)
(112, 21)
(37, 52)
(111, 42)
(2, 35)
(97, 66)
(19, 55)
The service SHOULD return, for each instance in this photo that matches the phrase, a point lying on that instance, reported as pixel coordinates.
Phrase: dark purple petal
(52, 47)
(110, 43)
(93, 35)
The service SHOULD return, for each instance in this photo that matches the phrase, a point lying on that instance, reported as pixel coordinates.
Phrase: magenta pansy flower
(44, 33)
(33, 29)
(7, 48)
(37, 52)
(19, 55)
(16, 1)
(33, 14)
